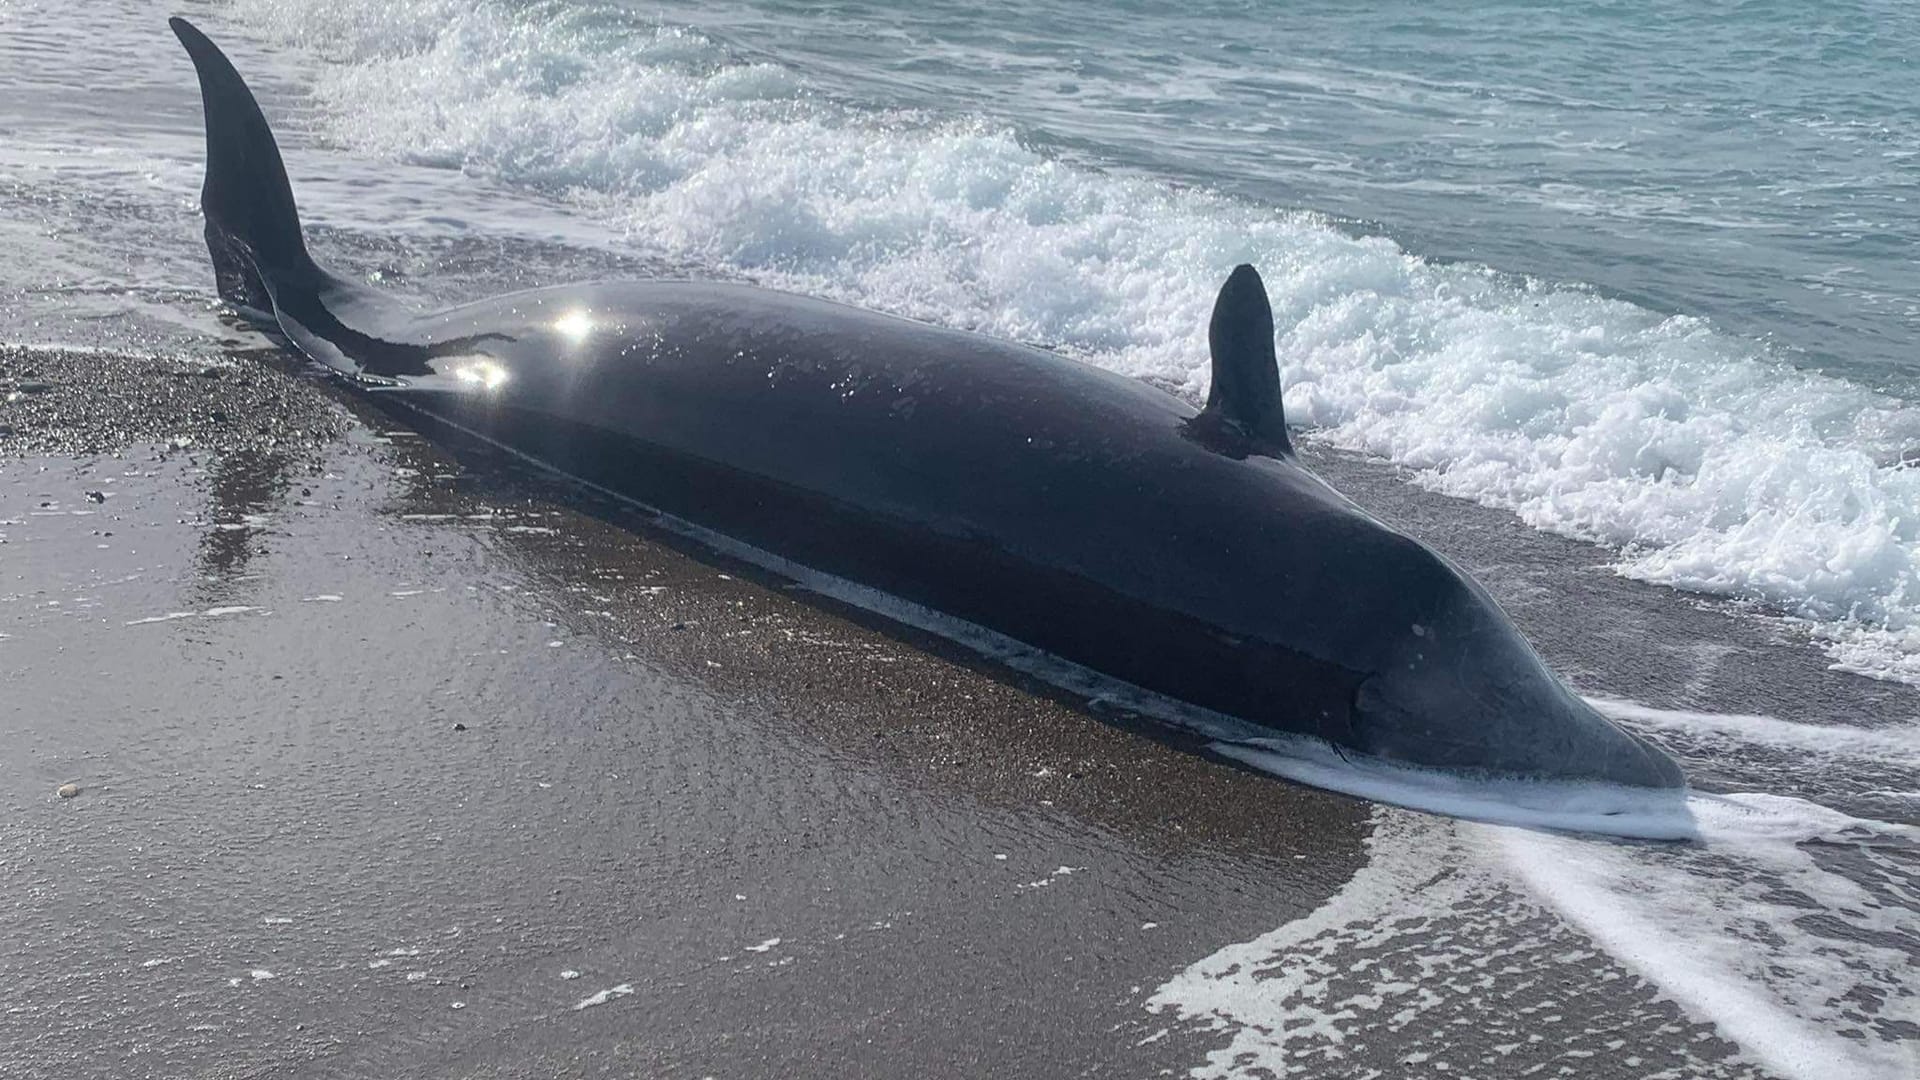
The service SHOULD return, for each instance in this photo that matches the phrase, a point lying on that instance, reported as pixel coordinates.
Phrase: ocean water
(1640, 274)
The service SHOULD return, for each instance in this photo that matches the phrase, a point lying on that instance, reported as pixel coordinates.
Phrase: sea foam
(1749, 933)
(1706, 462)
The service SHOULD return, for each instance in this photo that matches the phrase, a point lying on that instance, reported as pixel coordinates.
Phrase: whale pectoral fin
(1243, 410)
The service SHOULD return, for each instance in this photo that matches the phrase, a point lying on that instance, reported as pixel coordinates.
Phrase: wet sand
(393, 762)
(417, 742)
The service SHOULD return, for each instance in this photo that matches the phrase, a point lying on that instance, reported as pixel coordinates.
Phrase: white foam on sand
(1280, 1000)
(210, 613)
(1894, 743)
(1781, 925)
(1800, 965)
(603, 996)
(1784, 928)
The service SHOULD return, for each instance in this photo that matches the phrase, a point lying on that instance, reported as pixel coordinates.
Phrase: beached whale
(1079, 512)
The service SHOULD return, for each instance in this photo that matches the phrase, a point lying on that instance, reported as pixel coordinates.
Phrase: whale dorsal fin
(253, 230)
(1243, 407)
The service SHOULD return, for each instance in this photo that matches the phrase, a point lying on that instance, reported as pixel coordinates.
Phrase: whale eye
(574, 325)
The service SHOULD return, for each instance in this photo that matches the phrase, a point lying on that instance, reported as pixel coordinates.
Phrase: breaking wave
(1700, 457)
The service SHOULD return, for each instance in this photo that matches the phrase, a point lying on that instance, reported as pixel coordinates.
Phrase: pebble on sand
(67, 791)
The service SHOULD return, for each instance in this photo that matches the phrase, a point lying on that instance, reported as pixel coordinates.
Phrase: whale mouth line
(1549, 805)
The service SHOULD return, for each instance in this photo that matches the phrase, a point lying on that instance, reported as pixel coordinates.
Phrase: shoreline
(256, 683)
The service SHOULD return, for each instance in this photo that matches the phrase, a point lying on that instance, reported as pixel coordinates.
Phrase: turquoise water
(1755, 163)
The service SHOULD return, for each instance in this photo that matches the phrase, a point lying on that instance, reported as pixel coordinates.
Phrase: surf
(1703, 458)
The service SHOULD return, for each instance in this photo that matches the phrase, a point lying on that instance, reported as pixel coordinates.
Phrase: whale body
(1073, 510)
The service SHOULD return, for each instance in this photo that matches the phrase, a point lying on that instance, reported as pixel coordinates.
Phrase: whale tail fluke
(1245, 397)
(253, 230)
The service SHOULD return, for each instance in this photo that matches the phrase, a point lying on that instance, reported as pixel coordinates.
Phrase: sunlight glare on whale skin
(482, 373)
(575, 325)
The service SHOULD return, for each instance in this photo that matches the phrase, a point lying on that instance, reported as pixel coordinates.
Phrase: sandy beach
(333, 746)
(374, 753)
(395, 762)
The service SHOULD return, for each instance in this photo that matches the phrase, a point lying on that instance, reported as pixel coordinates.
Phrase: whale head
(1455, 686)
(1432, 672)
